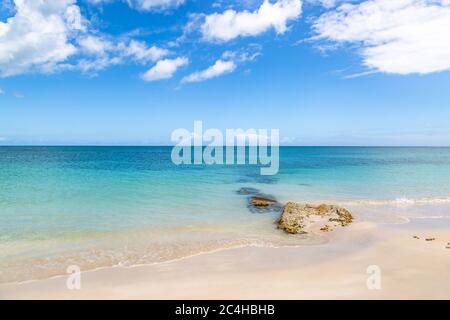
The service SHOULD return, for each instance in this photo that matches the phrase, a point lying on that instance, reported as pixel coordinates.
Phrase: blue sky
(130, 72)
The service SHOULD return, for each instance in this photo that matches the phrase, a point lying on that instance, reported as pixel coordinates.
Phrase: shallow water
(103, 206)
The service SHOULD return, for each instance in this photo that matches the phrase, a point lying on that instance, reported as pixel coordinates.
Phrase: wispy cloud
(103, 52)
(220, 67)
(139, 51)
(360, 74)
(164, 69)
(402, 36)
(251, 53)
(146, 5)
(227, 63)
(18, 94)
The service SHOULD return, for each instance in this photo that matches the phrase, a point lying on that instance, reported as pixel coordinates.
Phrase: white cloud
(220, 67)
(90, 66)
(154, 4)
(18, 95)
(139, 51)
(146, 5)
(243, 55)
(37, 37)
(402, 36)
(105, 52)
(328, 3)
(74, 19)
(99, 53)
(232, 24)
(164, 69)
(94, 44)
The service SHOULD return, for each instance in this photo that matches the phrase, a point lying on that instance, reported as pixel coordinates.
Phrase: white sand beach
(410, 268)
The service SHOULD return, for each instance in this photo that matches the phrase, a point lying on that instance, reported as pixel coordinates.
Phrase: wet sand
(410, 268)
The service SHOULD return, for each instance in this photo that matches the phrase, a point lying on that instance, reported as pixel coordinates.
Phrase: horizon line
(171, 146)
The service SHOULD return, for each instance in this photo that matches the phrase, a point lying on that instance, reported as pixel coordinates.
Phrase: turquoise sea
(106, 206)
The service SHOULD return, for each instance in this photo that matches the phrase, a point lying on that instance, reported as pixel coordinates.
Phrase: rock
(263, 203)
(298, 218)
(326, 228)
(344, 217)
(430, 239)
(416, 237)
(260, 202)
(247, 191)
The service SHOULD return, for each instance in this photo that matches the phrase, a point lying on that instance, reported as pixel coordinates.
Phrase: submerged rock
(257, 178)
(247, 191)
(300, 218)
(262, 203)
(258, 201)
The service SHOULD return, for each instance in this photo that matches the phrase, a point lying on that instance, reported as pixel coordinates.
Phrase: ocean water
(106, 206)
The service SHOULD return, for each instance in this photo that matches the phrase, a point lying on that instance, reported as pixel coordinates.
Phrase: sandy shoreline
(410, 268)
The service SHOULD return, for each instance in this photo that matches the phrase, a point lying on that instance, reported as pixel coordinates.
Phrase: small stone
(416, 237)
(326, 228)
(430, 239)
